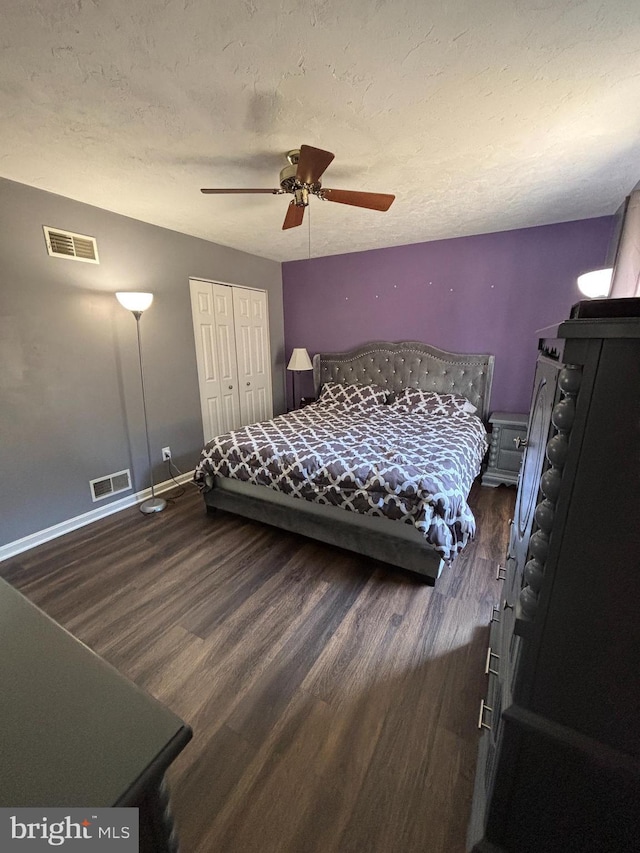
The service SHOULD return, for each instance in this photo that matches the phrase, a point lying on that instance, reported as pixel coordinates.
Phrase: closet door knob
(230, 387)
(248, 383)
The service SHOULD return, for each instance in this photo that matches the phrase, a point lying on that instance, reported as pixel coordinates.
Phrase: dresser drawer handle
(481, 722)
(501, 573)
(487, 666)
(495, 614)
(520, 442)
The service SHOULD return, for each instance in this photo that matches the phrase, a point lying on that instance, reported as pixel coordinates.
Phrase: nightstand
(508, 434)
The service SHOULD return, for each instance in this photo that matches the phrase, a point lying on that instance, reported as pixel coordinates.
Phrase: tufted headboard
(410, 364)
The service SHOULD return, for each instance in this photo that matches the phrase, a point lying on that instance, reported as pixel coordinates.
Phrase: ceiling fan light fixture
(301, 196)
(288, 178)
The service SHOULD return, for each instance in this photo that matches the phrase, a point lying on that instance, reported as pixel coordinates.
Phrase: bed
(355, 475)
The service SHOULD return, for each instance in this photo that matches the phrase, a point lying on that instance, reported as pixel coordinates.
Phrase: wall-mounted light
(595, 284)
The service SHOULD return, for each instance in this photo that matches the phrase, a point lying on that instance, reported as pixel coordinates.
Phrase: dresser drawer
(509, 456)
(509, 460)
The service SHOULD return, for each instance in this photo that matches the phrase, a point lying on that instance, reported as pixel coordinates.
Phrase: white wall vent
(66, 244)
(110, 485)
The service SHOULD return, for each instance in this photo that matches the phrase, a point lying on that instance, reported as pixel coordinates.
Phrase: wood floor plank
(202, 783)
(333, 698)
(271, 799)
(363, 648)
(263, 703)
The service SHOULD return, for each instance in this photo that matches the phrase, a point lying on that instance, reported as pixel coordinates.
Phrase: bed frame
(395, 366)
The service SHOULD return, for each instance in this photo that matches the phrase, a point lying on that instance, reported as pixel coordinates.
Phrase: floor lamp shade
(299, 361)
(134, 301)
(137, 302)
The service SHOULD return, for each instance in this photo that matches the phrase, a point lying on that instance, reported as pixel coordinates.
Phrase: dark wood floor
(333, 700)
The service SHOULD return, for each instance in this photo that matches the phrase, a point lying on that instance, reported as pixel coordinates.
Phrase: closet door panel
(223, 309)
(225, 339)
(207, 358)
(212, 310)
(252, 348)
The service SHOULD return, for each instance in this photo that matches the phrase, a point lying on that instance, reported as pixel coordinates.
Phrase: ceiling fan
(301, 178)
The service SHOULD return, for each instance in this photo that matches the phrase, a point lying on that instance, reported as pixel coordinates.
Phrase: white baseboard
(40, 536)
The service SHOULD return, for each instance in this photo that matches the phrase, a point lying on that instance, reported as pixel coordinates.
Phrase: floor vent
(110, 485)
(66, 244)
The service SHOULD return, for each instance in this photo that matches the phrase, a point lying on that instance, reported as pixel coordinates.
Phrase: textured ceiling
(480, 116)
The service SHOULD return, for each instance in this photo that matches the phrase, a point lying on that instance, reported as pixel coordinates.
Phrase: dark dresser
(74, 732)
(559, 756)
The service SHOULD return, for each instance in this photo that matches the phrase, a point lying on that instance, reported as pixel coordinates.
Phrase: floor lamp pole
(153, 504)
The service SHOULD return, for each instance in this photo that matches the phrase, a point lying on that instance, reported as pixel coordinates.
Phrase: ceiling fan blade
(373, 201)
(295, 215)
(312, 163)
(236, 191)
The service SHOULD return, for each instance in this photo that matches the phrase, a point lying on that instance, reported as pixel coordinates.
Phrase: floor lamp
(299, 361)
(137, 303)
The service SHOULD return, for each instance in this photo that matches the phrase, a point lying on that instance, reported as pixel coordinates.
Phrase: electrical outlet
(166, 454)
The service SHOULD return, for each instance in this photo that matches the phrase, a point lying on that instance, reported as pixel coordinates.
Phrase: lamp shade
(596, 283)
(300, 360)
(135, 301)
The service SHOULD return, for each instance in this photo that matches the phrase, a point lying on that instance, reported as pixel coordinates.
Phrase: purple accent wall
(486, 293)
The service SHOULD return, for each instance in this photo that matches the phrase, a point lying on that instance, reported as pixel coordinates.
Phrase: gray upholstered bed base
(379, 538)
(394, 366)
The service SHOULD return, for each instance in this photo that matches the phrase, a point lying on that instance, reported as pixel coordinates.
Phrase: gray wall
(70, 405)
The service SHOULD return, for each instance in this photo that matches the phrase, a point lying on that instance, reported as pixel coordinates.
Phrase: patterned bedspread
(415, 468)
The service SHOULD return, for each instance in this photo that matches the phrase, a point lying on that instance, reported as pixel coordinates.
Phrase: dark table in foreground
(74, 732)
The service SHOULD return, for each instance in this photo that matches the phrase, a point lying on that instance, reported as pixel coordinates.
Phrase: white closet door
(212, 307)
(253, 353)
(225, 337)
